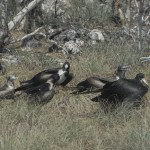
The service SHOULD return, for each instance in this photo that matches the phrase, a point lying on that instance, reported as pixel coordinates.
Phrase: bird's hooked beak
(126, 67)
(12, 78)
(144, 59)
(145, 82)
(15, 78)
(122, 68)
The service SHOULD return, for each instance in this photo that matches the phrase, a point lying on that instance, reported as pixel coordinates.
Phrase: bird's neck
(121, 74)
(10, 84)
(61, 72)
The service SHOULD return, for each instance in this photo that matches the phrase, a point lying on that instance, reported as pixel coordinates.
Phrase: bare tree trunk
(16, 20)
(139, 22)
(128, 13)
(4, 32)
(56, 2)
(121, 15)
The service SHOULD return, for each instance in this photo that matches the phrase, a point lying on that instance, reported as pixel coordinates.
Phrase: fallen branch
(52, 35)
(28, 35)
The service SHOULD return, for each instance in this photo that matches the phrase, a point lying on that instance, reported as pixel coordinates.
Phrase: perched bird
(95, 83)
(124, 90)
(45, 92)
(7, 90)
(42, 77)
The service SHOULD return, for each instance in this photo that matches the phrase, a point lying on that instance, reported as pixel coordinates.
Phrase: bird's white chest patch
(117, 78)
(61, 72)
(62, 76)
(10, 87)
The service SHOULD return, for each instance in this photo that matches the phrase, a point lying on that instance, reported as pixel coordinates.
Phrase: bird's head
(141, 77)
(11, 78)
(121, 70)
(66, 66)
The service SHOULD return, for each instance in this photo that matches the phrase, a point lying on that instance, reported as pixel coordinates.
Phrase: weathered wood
(16, 20)
(128, 12)
(139, 5)
(4, 32)
(52, 35)
(26, 36)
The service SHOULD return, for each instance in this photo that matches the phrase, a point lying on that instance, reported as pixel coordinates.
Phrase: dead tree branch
(4, 32)
(139, 5)
(16, 20)
(28, 35)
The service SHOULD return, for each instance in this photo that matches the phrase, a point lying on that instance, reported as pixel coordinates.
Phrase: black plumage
(44, 93)
(95, 83)
(42, 77)
(124, 91)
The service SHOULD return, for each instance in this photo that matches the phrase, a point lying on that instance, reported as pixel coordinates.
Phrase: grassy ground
(71, 122)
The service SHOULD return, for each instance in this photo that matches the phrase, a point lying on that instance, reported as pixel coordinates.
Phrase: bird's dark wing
(82, 83)
(41, 97)
(107, 80)
(91, 84)
(42, 87)
(110, 92)
(134, 100)
(96, 82)
(24, 87)
(42, 76)
(68, 79)
(51, 70)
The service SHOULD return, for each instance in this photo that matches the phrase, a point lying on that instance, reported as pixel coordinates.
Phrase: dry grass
(71, 122)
